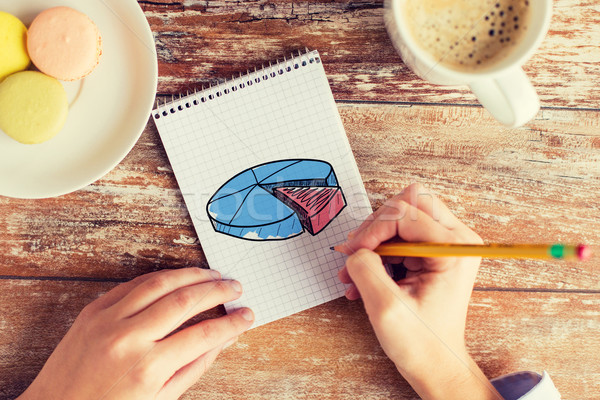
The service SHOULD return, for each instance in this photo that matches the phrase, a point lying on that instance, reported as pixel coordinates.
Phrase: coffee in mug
(479, 43)
(467, 35)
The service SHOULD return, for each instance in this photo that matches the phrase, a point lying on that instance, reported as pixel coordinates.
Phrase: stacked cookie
(63, 44)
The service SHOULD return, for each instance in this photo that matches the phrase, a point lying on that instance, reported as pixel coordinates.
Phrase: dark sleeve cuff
(526, 385)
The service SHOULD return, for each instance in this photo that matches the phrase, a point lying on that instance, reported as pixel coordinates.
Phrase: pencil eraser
(583, 252)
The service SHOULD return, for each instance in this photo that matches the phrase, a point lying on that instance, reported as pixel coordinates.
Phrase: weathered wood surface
(200, 42)
(537, 183)
(328, 352)
(531, 185)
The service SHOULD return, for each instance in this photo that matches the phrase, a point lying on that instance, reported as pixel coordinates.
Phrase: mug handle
(510, 98)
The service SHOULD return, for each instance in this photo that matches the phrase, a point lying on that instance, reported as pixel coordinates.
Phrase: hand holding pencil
(419, 320)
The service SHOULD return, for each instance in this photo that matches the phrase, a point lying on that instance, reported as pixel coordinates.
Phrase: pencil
(493, 250)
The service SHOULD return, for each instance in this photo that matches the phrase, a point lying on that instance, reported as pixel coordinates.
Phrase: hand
(419, 320)
(119, 346)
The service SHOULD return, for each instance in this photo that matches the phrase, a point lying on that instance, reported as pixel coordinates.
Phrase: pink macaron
(64, 43)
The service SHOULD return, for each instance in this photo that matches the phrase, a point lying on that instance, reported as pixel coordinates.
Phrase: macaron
(33, 107)
(64, 43)
(13, 45)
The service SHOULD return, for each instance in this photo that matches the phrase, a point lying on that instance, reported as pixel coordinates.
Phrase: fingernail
(351, 234)
(215, 274)
(247, 314)
(235, 285)
(232, 341)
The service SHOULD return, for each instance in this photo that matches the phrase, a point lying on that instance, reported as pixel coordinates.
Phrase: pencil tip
(332, 248)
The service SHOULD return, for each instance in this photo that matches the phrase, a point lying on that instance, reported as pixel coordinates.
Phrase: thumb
(377, 289)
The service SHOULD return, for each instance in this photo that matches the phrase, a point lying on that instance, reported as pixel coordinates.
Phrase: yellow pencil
(538, 251)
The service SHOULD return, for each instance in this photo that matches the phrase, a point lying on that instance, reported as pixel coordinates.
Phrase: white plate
(108, 110)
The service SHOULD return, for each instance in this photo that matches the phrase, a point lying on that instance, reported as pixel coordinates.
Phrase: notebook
(270, 181)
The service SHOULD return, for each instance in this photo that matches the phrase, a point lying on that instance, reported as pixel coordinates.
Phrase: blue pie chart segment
(225, 207)
(267, 170)
(303, 173)
(246, 207)
(239, 182)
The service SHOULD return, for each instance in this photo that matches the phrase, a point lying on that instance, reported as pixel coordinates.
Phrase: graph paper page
(291, 115)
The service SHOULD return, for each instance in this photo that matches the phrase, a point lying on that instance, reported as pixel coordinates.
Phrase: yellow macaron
(13, 45)
(33, 107)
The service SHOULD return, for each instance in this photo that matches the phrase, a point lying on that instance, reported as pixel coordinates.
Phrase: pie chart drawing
(277, 200)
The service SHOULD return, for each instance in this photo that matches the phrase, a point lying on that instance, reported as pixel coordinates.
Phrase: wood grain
(329, 351)
(537, 183)
(200, 43)
(533, 184)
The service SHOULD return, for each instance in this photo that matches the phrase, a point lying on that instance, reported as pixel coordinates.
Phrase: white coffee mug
(503, 89)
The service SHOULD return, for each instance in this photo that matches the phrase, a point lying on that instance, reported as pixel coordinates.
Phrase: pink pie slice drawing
(316, 207)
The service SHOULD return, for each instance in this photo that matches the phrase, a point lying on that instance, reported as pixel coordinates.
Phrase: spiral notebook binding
(235, 84)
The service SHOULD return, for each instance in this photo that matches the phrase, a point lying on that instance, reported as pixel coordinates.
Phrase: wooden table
(533, 184)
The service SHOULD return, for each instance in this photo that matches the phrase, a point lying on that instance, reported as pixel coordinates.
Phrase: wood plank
(528, 185)
(200, 43)
(512, 331)
(535, 184)
(330, 350)
(131, 222)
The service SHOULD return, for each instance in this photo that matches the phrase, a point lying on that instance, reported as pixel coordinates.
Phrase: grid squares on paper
(290, 116)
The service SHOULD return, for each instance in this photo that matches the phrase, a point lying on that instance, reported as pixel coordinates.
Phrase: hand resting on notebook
(419, 320)
(118, 346)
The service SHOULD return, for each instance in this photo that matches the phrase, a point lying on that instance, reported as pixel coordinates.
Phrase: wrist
(452, 374)
(40, 389)
(431, 353)
(28, 394)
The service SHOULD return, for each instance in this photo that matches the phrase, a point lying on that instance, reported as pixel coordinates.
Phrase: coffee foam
(467, 35)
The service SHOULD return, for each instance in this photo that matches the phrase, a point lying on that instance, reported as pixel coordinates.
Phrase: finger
(352, 293)
(418, 265)
(188, 375)
(344, 247)
(416, 195)
(403, 221)
(392, 259)
(160, 285)
(365, 224)
(185, 346)
(343, 276)
(375, 286)
(164, 316)
(414, 264)
(118, 292)
(419, 196)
